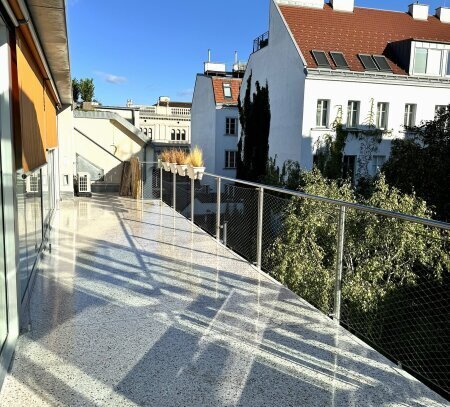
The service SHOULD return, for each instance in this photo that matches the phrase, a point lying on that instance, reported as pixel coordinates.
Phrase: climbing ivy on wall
(253, 147)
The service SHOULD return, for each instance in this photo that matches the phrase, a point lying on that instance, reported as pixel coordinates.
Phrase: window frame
(324, 124)
(173, 135)
(375, 165)
(352, 112)
(228, 160)
(410, 116)
(382, 125)
(227, 86)
(228, 126)
(415, 60)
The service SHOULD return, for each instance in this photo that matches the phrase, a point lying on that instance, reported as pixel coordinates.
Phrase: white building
(215, 117)
(325, 60)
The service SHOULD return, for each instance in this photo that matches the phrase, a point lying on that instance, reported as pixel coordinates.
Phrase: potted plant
(196, 167)
(165, 160)
(182, 162)
(173, 161)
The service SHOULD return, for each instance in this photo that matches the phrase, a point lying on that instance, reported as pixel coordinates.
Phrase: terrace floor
(135, 306)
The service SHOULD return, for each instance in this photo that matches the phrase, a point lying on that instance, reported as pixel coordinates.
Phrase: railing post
(192, 199)
(339, 265)
(259, 231)
(225, 233)
(161, 185)
(219, 194)
(174, 200)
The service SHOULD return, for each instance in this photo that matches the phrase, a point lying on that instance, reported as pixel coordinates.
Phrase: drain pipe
(10, 13)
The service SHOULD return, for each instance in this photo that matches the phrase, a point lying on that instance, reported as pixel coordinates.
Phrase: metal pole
(219, 193)
(339, 265)
(259, 231)
(161, 185)
(192, 199)
(174, 191)
(225, 233)
(142, 181)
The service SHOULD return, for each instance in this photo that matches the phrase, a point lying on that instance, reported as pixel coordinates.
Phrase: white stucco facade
(295, 89)
(209, 128)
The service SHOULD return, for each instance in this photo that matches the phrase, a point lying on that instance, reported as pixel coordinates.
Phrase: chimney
(302, 3)
(419, 11)
(443, 13)
(343, 5)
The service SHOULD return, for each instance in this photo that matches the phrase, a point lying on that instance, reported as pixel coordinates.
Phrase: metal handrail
(370, 209)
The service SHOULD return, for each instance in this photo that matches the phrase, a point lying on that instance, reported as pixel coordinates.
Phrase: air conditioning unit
(84, 184)
(33, 184)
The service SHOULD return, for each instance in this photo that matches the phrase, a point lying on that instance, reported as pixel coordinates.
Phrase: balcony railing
(261, 42)
(164, 111)
(409, 324)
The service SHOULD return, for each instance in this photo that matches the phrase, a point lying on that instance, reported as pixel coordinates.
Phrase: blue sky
(142, 49)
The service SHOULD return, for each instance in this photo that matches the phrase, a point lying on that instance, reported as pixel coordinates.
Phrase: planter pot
(196, 172)
(173, 168)
(182, 170)
(166, 166)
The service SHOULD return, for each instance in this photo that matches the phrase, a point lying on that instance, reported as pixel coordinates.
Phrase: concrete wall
(116, 145)
(204, 120)
(280, 65)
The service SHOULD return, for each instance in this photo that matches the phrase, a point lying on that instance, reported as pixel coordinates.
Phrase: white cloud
(110, 78)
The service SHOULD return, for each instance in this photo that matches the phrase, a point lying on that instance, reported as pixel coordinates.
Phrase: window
(150, 133)
(382, 115)
(230, 159)
(183, 135)
(178, 135)
(321, 59)
(145, 131)
(448, 63)
(353, 114)
(322, 113)
(348, 167)
(377, 162)
(420, 61)
(339, 60)
(368, 62)
(410, 115)
(382, 63)
(172, 135)
(227, 91)
(231, 125)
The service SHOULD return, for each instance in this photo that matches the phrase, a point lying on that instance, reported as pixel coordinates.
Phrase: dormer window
(429, 61)
(227, 91)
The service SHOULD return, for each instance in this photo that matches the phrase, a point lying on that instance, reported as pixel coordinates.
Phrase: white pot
(173, 168)
(166, 166)
(196, 172)
(182, 170)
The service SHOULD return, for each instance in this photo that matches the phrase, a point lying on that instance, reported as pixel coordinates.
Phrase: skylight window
(339, 60)
(382, 63)
(368, 62)
(321, 59)
(227, 91)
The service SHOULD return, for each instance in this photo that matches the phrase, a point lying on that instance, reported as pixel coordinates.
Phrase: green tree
(87, 89)
(253, 147)
(76, 91)
(422, 164)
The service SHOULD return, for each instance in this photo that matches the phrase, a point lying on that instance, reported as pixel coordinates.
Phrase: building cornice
(376, 77)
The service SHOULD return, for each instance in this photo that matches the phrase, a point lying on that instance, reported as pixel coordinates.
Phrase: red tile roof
(365, 31)
(219, 96)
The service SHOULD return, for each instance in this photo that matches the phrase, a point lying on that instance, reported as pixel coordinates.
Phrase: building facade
(215, 117)
(35, 91)
(365, 68)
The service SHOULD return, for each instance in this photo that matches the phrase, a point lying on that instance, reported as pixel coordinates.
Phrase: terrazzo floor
(137, 307)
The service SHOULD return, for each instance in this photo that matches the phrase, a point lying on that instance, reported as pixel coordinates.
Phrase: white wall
(66, 151)
(340, 91)
(121, 145)
(281, 66)
(225, 142)
(204, 120)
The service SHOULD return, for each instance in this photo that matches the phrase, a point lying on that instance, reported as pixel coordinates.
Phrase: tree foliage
(381, 254)
(87, 89)
(76, 91)
(253, 147)
(421, 164)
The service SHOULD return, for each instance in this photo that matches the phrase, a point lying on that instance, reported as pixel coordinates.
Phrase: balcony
(261, 42)
(136, 305)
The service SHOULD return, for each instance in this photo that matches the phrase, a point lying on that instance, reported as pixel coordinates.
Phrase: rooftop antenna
(209, 55)
(235, 57)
